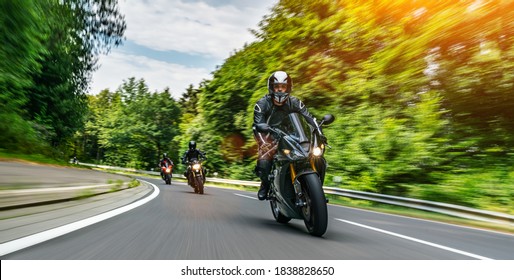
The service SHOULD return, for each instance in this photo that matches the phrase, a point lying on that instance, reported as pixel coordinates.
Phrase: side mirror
(262, 127)
(328, 119)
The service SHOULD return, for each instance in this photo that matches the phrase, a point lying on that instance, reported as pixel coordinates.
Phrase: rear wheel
(279, 217)
(315, 214)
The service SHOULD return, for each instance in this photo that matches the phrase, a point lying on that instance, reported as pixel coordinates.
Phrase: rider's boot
(262, 170)
(262, 194)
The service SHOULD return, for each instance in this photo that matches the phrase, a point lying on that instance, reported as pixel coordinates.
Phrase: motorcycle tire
(315, 214)
(192, 183)
(279, 217)
(199, 183)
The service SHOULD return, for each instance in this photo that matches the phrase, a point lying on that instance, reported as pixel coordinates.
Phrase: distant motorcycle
(298, 172)
(196, 175)
(167, 171)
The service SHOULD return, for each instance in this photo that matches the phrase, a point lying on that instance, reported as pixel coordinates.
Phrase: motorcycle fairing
(298, 162)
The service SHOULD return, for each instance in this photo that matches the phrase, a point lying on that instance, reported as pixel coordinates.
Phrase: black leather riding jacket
(162, 162)
(192, 154)
(267, 112)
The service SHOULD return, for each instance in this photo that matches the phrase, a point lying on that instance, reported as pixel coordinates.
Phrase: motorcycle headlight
(317, 151)
(196, 166)
(286, 151)
(168, 170)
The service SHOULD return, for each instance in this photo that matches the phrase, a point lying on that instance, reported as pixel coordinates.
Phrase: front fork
(300, 197)
(300, 202)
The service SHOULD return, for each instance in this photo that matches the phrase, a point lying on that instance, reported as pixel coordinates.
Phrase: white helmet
(279, 77)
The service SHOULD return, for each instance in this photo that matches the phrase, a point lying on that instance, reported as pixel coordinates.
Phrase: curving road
(230, 224)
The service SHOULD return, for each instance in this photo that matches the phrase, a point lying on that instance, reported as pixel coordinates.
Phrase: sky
(175, 43)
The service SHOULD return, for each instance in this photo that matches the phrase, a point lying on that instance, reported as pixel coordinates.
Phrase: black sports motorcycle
(196, 175)
(298, 172)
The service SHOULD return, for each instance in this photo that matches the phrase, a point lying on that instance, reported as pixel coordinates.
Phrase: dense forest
(422, 92)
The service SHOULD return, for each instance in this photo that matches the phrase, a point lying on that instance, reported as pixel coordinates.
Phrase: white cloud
(118, 67)
(191, 27)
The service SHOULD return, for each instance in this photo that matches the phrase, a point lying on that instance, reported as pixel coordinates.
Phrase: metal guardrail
(443, 208)
(438, 207)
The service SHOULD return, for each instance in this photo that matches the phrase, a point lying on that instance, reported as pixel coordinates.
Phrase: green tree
(80, 30)
(46, 65)
(421, 91)
(100, 109)
(132, 126)
(23, 33)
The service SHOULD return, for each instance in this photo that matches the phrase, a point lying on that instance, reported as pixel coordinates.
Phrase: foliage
(131, 127)
(421, 92)
(46, 66)
(22, 33)
(414, 86)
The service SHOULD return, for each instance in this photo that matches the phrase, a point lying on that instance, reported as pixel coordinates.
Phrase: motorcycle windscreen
(296, 126)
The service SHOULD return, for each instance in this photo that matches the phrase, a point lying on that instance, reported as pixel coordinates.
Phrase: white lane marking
(245, 196)
(24, 242)
(417, 240)
(424, 220)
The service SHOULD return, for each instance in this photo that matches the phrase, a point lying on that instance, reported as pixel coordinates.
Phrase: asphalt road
(226, 224)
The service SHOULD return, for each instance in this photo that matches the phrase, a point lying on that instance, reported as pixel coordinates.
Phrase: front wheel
(199, 184)
(315, 214)
(191, 181)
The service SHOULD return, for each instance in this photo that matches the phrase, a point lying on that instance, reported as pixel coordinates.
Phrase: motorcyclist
(192, 154)
(271, 109)
(165, 159)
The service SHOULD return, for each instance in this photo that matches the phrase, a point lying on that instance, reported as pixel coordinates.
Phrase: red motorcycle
(166, 172)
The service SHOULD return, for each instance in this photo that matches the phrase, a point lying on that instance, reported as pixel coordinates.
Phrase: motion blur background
(422, 92)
